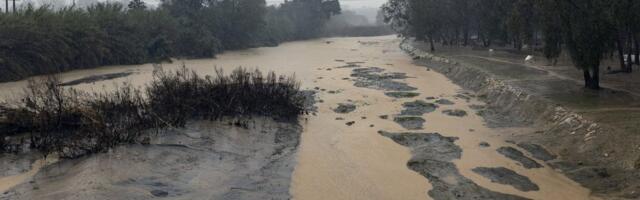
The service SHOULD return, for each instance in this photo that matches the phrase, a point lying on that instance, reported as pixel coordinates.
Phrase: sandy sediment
(207, 160)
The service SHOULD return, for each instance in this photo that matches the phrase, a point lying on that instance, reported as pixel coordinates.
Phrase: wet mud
(519, 157)
(417, 108)
(508, 177)
(432, 157)
(402, 94)
(537, 151)
(410, 122)
(344, 108)
(444, 102)
(207, 160)
(376, 78)
(96, 78)
(455, 113)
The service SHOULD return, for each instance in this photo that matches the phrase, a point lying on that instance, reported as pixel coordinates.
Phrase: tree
(551, 27)
(45, 40)
(309, 16)
(137, 5)
(587, 32)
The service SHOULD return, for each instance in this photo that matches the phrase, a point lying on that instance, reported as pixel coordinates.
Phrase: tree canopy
(587, 29)
(41, 40)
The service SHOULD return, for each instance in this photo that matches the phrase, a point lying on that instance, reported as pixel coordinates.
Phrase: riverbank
(593, 132)
(385, 128)
(205, 160)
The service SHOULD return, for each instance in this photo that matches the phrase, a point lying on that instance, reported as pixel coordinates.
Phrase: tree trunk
(14, 6)
(630, 59)
(592, 77)
(6, 6)
(466, 37)
(623, 65)
(636, 50)
(431, 43)
(587, 78)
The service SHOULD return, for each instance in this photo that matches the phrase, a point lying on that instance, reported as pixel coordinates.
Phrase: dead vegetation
(72, 123)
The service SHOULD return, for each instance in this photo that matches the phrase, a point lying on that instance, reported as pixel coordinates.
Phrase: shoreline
(554, 126)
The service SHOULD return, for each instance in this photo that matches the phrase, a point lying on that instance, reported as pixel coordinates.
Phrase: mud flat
(432, 157)
(206, 160)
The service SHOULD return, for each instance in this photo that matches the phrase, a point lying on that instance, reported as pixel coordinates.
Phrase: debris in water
(455, 113)
(484, 144)
(345, 108)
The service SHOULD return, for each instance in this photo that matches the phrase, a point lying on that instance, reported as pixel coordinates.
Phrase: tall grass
(73, 123)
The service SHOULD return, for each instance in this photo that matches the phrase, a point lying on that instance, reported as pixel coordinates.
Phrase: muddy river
(385, 129)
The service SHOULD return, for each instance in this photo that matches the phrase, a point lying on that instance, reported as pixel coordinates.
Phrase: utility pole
(6, 6)
(14, 6)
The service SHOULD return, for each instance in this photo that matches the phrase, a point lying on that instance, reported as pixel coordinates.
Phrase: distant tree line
(351, 24)
(45, 40)
(589, 30)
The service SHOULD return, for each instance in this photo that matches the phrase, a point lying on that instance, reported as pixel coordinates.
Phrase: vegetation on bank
(351, 24)
(72, 123)
(45, 40)
(589, 30)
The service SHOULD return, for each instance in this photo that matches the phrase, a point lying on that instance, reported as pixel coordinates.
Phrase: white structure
(529, 59)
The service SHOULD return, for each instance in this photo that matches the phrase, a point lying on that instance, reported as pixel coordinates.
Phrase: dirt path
(551, 73)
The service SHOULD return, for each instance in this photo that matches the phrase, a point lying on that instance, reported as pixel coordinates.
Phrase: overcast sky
(348, 4)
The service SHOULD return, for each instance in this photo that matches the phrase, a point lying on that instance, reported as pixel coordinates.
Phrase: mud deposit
(418, 108)
(402, 94)
(455, 113)
(410, 122)
(345, 108)
(537, 151)
(376, 78)
(207, 160)
(96, 78)
(519, 157)
(508, 177)
(432, 157)
(444, 102)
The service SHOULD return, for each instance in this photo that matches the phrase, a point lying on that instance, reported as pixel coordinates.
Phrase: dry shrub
(73, 123)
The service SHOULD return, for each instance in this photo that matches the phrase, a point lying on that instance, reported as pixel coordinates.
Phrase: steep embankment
(592, 152)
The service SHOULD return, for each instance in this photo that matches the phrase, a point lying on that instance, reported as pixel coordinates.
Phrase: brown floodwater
(337, 161)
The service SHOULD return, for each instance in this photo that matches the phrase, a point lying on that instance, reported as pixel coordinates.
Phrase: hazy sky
(346, 4)
(349, 4)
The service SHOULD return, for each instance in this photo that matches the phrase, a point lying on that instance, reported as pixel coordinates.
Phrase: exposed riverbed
(385, 129)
